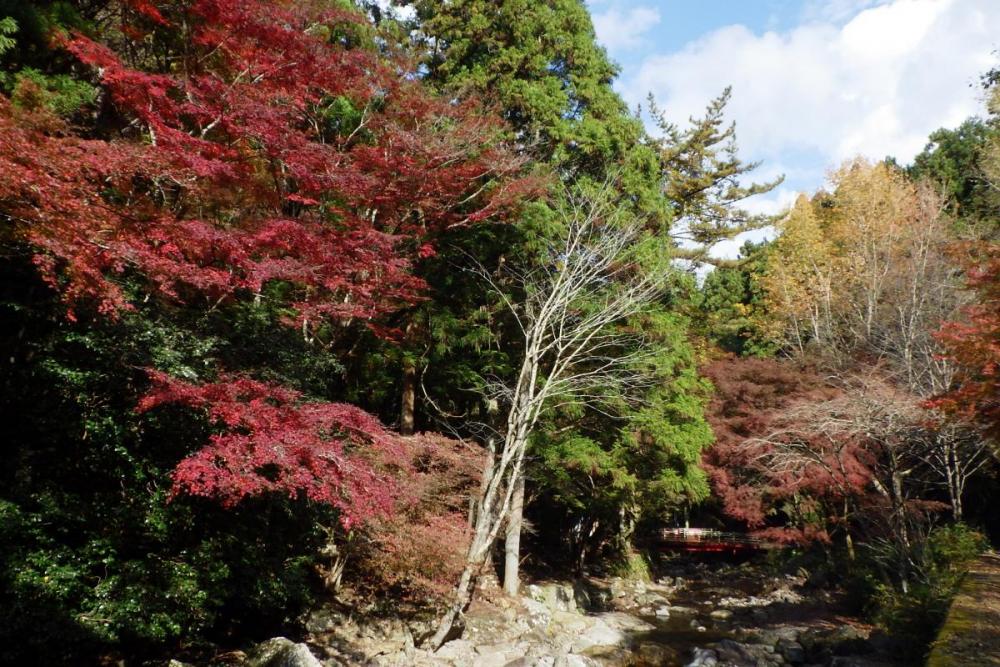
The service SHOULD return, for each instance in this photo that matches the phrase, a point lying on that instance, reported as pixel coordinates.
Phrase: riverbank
(969, 633)
(695, 613)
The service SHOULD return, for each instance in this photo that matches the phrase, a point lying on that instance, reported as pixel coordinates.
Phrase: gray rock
(681, 611)
(626, 622)
(663, 612)
(599, 634)
(498, 655)
(570, 622)
(791, 651)
(582, 596)
(733, 652)
(538, 614)
(786, 595)
(721, 614)
(651, 599)
(282, 652)
(555, 596)
(560, 597)
(520, 662)
(323, 620)
(573, 660)
(456, 649)
(653, 653)
(704, 657)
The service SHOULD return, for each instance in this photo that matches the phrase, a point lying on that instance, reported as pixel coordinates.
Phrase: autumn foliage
(269, 440)
(974, 343)
(772, 466)
(268, 152)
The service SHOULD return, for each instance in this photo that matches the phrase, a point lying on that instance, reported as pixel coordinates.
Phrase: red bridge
(704, 540)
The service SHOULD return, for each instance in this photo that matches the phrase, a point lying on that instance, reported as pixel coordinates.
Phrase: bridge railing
(709, 540)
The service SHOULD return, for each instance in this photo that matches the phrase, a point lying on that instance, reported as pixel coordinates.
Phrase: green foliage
(8, 27)
(953, 160)
(540, 64)
(701, 174)
(634, 567)
(604, 473)
(914, 615)
(731, 312)
(60, 93)
(92, 549)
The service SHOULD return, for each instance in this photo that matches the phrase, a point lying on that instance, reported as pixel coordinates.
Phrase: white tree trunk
(573, 352)
(512, 540)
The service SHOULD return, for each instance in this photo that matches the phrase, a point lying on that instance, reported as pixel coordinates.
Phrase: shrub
(913, 615)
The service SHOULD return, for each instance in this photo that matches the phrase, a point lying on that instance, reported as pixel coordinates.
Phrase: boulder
(282, 652)
(704, 657)
(721, 614)
(323, 619)
(653, 653)
(651, 600)
(680, 610)
(570, 622)
(583, 596)
(538, 615)
(791, 651)
(573, 660)
(499, 655)
(625, 622)
(618, 588)
(543, 661)
(599, 634)
(733, 652)
(555, 596)
(560, 597)
(456, 650)
(786, 595)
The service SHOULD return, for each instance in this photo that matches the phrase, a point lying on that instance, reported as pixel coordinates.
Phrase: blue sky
(815, 82)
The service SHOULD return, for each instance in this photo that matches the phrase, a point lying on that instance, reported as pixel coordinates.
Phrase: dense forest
(320, 299)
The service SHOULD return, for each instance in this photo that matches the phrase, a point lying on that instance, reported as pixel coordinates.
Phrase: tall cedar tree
(541, 65)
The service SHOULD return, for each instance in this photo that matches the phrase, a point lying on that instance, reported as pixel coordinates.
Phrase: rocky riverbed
(695, 614)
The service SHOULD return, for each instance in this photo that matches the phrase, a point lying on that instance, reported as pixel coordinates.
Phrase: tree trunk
(512, 541)
(463, 595)
(409, 395)
(494, 508)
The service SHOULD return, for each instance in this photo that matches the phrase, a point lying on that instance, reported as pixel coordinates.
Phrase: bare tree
(953, 452)
(570, 310)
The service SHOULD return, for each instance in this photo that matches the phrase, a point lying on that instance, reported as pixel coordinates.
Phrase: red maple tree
(773, 465)
(247, 143)
(245, 175)
(974, 343)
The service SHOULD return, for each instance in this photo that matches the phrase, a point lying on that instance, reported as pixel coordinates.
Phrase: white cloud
(622, 30)
(772, 203)
(835, 11)
(876, 84)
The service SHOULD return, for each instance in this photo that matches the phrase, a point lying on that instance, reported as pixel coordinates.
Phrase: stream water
(741, 613)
